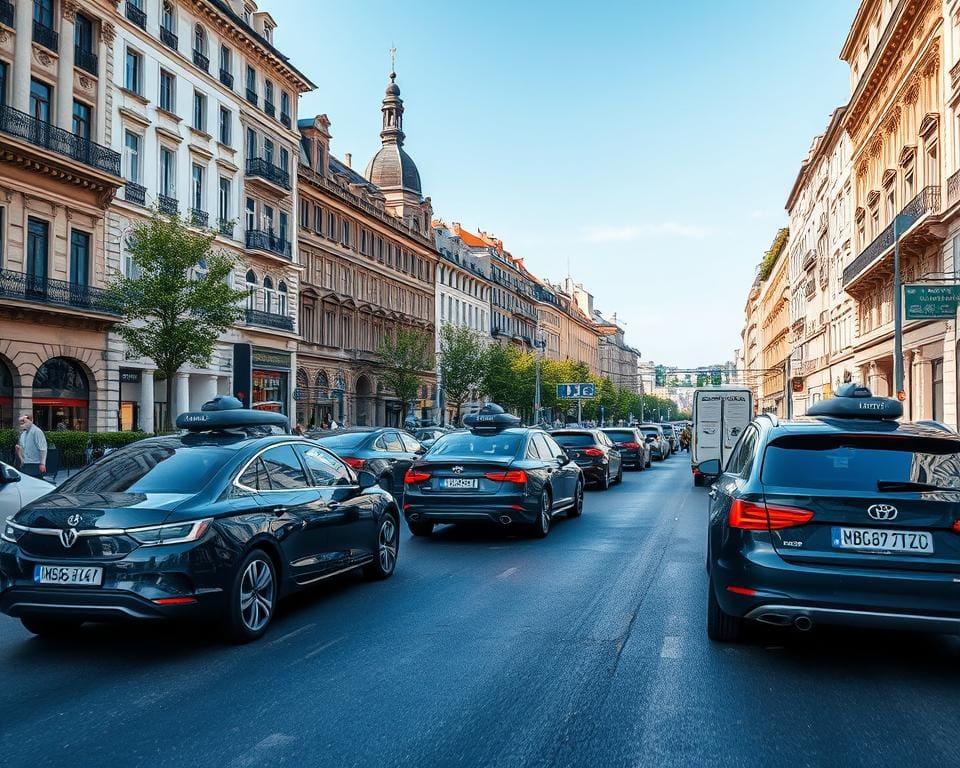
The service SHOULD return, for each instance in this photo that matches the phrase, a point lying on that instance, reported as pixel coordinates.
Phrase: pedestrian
(31, 447)
(298, 430)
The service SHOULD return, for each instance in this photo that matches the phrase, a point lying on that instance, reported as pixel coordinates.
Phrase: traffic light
(660, 376)
(716, 377)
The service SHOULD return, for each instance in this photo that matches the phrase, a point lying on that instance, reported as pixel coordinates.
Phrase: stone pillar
(208, 388)
(146, 401)
(181, 403)
(105, 56)
(22, 55)
(64, 94)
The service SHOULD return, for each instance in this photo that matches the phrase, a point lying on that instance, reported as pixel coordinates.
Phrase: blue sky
(650, 145)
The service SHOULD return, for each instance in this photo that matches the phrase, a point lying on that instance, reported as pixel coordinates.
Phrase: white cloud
(637, 232)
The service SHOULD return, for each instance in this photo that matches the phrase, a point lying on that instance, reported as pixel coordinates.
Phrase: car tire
(697, 481)
(420, 528)
(604, 483)
(648, 463)
(387, 549)
(577, 509)
(721, 626)
(541, 526)
(42, 626)
(253, 598)
(619, 478)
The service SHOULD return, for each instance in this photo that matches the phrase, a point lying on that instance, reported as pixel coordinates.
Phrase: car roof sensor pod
(854, 401)
(490, 418)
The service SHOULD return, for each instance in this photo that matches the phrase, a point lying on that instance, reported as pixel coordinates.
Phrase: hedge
(72, 446)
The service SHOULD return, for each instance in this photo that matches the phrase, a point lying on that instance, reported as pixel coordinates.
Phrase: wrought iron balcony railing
(269, 320)
(135, 193)
(199, 218)
(225, 228)
(41, 134)
(201, 61)
(169, 39)
(226, 78)
(267, 241)
(809, 259)
(270, 108)
(953, 188)
(6, 13)
(927, 201)
(252, 96)
(46, 36)
(257, 166)
(86, 60)
(136, 15)
(285, 119)
(42, 290)
(168, 205)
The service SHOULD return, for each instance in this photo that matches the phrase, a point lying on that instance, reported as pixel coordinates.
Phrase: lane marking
(507, 573)
(294, 633)
(322, 648)
(671, 648)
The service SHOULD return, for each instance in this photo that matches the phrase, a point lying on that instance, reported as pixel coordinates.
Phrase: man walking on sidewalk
(31, 447)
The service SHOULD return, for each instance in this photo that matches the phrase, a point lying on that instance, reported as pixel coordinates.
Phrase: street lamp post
(539, 343)
(897, 314)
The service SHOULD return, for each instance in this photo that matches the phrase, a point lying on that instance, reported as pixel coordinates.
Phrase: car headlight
(172, 533)
(12, 532)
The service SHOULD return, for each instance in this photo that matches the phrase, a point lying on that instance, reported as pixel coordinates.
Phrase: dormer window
(268, 33)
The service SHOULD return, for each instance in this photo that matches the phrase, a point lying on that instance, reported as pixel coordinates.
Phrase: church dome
(391, 167)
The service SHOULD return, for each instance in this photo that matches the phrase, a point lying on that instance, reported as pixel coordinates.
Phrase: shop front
(61, 396)
(128, 418)
(262, 377)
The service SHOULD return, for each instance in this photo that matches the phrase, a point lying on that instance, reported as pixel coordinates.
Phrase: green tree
(403, 358)
(508, 378)
(462, 363)
(179, 301)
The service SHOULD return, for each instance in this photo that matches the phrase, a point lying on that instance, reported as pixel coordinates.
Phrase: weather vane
(393, 59)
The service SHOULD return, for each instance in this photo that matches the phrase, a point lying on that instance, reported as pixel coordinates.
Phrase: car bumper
(501, 509)
(593, 473)
(98, 605)
(633, 458)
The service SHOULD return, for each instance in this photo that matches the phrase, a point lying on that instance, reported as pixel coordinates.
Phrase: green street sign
(931, 302)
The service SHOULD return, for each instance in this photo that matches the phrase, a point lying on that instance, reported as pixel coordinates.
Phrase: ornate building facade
(774, 302)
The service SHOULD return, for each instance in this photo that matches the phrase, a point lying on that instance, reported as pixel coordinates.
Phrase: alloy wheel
(545, 512)
(387, 545)
(256, 595)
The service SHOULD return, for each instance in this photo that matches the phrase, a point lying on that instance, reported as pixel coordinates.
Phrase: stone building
(568, 333)
(618, 360)
(774, 302)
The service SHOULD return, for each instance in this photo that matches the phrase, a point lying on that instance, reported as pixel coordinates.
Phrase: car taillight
(593, 452)
(414, 476)
(630, 445)
(517, 476)
(760, 517)
(354, 463)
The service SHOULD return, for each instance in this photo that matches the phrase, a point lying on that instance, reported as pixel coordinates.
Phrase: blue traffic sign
(580, 391)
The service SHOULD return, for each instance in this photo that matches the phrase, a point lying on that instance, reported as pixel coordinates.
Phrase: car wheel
(388, 546)
(541, 526)
(647, 464)
(697, 481)
(721, 626)
(47, 627)
(253, 598)
(420, 528)
(577, 509)
(604, 482)
(619, 478)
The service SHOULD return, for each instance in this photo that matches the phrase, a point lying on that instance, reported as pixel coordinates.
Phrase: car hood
(101, 510)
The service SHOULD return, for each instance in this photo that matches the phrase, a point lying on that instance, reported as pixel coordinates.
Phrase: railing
(201, 61)
(810, 288)
(6, 13)
(269, 108)
(953, 188)
(809, 259)
(269, 320)
(226, 78)
(252, 96)
(199, 218)
(257, 166)
(135, 193)
(169, 39)
(954, 75)
(45, 36)
(43, 290)
(225, 228)
(136, 15)
(168, 205)
(266, 241)
(41, 134)
(285, 119)
(86, 60)
(927, 201)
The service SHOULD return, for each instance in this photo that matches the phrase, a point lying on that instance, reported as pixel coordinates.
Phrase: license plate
(68, 574)
(458, 482)
(877, 539)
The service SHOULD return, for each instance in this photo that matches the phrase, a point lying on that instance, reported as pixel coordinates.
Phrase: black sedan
(496, 472)
(385, 452)
(633, 447)
(594, 453)
(217, 523)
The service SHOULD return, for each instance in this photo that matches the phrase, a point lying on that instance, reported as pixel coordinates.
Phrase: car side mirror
(710, 467)
(366, 479)
(9, 475)
(420, 451)
(563, 459)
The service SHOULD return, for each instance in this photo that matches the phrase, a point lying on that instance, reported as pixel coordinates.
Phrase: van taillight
(760, 517)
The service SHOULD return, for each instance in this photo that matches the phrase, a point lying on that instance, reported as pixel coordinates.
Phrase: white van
(719, 417)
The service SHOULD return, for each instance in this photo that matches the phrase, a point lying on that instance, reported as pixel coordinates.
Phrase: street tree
(404, 357)
(462, 363)
(178, 299)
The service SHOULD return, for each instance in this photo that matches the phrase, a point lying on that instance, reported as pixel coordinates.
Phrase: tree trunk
(168, 411)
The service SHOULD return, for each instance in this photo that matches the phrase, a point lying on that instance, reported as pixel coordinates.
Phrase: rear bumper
(593, 473)
(97, 605)
(500, 510)
(782, 615)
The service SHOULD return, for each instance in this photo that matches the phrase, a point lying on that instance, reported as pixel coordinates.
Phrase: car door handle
(279, 510)
(333, 505)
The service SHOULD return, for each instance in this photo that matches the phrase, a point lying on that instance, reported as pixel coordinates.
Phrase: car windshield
(346, 440)
(858, 463)
(574, 438)
(623, 435)
(150, 468)
(470, 444)
(649, 430)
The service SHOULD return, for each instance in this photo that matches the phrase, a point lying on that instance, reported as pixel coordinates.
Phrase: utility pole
(897, 315)
(538, 341)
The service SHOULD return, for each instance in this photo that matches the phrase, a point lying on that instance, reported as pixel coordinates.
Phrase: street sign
(716, 377)
(660, 376)
(581, 391)
(931, 302)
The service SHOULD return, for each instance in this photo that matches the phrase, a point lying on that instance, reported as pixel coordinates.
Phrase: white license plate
(458, 482)
(68, 574)
(878, 539)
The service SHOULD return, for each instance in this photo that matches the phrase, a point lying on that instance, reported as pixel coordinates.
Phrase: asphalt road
(585, 649)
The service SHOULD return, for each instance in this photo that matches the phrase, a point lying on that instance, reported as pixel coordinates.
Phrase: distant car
(427, 436)
(594, 453)
(634, 449)
(672, 435)
(658, 442)
(385, 452)
(495, 472)
(18, 490)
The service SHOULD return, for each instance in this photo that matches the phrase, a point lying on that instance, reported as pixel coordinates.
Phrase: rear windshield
(150, 468)
(857, 463)
(469, 444)
(649, 430)
(346, 440)
(620, 434)
(574, 439)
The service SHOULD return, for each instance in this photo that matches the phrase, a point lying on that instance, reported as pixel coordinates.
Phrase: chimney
(348, 160)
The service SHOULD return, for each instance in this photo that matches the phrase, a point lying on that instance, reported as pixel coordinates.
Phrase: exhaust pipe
(803, 623)
(776, 619)
(505, 519)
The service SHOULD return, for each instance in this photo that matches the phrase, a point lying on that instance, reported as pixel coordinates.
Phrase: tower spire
(392, 108)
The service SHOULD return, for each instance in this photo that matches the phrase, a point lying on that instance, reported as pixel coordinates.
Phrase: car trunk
(465, 476)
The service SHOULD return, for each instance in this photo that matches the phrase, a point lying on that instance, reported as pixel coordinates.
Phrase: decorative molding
(70, 9)
(876, 147)
(86, 83)
(42, 56)
(107, 30)
(4, 35)
(893, 120)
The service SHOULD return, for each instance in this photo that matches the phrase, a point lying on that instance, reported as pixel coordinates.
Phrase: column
(22, 54)
(146, 401)
(182, 402)
(64, 92)
(105, 57)
(208, 389)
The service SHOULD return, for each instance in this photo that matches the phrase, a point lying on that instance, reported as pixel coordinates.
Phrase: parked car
(844, 516)
(633, 447)
(385, 452)
(497, 472)
(18, 489)
(214, 524)
(427, 436)
(594, 453)
(654, 437)
(672, 436)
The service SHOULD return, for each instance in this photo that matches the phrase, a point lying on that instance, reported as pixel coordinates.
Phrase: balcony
(226, 78)
(199, 218)
(86, 60)
(225, 228)
(6, 13)
(136, 15)
(135, 193)
(269, 320)
(285, 119)
(928, 201)
(18, 286)
(252, 96)
(45, 36)
(269, 108)
(810, 288)
(40, 134)
(201, 61)
(809, 259)
(267, 241)
(169, 39)
(260, 168)
(953, 188)
(168, 205)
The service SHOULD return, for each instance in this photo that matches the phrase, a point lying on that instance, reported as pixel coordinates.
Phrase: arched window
(200, 40)
(168, 18)
(251, 289)
(282, 298)
(268, 293)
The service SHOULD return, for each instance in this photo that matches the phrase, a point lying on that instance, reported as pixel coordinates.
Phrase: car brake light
(760, 517)
(354, 463)
(517, 476)
(593, 452)
(956, 526)
(174, 600)
(741, 591)
(415, 476)
(631, 445)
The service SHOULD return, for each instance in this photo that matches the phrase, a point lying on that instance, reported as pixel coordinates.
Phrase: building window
(131, 151)
(268, 96)
(305, 214)
(83, 34)
(196, 175)
(251, 143)
(200, 40)
(168, 18)
(268, 151)
(226, 126)
(168, 172)
(43, 13)
(285, 106)
(251, 289)
(251, 84)
(199, 111)
(223, 201)
(133, 72)
(168, 91)
(285, 158)
(282, 298)
(81, 120)
(268, 218)
(79, 257)
(331, 226)
(226, 60)
(268, 302)
(318, 219)
(345, 232)
(38, 244)
(251, 214)
(284, 226)
(40, 97)
(4, 69)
